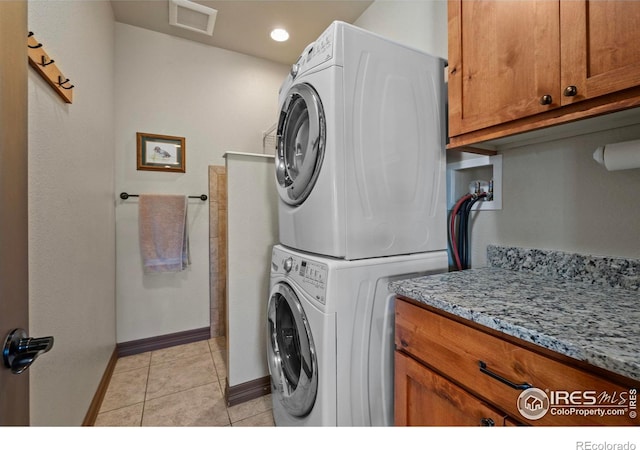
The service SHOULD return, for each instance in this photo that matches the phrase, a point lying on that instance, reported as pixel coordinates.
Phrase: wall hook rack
(45, 62)
(46, 67)
(62, 83)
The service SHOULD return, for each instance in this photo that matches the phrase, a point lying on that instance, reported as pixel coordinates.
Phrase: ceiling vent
(192, 16)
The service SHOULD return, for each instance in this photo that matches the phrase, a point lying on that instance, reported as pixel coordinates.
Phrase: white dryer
(360, 154)
(330, 336)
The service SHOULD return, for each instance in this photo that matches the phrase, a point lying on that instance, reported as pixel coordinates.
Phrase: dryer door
(300, 143)
(291, 355)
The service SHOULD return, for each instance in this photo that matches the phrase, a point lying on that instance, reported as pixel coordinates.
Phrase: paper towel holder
(598, 155)
(619, 156)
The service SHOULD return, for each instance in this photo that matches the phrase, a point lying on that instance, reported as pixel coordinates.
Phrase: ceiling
(243, 26)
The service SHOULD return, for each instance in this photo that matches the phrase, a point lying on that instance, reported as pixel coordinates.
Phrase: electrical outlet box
(462, 175)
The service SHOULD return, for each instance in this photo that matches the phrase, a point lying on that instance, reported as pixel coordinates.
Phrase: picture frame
(160, 152)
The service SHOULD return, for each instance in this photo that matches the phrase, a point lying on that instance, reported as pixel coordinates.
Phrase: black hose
(465, 232)
(467, 207)
(460, 231)
(462, 235)
(458, 237)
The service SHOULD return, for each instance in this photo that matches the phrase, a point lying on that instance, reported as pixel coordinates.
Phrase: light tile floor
(177, 386)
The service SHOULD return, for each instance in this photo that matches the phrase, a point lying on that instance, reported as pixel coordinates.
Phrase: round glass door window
(292, 357)
(300, 143)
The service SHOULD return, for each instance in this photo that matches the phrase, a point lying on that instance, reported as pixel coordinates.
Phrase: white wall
(421, 24)
(252, 218)
(555, 196)
(71, 210)
(219, 101)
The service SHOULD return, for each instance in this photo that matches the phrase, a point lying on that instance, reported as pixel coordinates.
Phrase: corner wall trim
(164, 341)
(244, 392)
(96, 403)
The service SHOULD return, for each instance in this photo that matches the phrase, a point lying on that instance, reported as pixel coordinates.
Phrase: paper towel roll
(620, 156)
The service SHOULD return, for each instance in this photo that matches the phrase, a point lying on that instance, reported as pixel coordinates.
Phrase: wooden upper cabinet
(504, 58)
(600, 49)
(517, 66)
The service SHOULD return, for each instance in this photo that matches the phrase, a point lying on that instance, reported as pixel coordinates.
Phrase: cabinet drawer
(456, 351)
(430, 399)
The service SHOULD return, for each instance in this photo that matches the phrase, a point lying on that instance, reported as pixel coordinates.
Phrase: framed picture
(159, 152)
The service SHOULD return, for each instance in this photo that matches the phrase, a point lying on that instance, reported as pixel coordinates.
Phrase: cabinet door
(504, 57)
(422, 397)
(599, 49)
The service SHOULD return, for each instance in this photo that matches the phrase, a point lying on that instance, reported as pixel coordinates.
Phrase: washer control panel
(313, 273)
(309, 275)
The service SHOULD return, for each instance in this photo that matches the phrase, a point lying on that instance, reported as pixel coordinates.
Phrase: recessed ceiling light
(279, 34)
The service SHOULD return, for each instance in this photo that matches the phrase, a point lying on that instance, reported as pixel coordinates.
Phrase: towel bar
(125, 196)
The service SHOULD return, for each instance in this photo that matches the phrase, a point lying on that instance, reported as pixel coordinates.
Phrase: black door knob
(20, 351)
(570, 91)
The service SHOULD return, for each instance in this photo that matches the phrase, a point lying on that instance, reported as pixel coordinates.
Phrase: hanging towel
(164, 238)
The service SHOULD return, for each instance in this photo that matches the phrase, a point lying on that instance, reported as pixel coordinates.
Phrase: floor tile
(200, 406)
(221, 367)
(178, 386)
(250, 408)
(179, 351)
(125, 389)
(179, 375)
(218, 344)
(264, 419)
(129, 416)
(132, 362)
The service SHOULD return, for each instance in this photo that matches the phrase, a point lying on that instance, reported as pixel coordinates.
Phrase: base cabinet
(426, 398)
(449, 372)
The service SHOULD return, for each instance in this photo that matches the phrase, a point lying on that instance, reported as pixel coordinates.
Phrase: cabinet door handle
(570, 91)
(546, 99)
(485, 370)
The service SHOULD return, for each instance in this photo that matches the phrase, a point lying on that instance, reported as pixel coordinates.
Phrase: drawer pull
(521, 387)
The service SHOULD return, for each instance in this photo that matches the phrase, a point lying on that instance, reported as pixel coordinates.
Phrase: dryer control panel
(316, 53)
(309, 275)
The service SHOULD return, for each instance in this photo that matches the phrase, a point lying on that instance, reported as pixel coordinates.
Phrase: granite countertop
(544, 302)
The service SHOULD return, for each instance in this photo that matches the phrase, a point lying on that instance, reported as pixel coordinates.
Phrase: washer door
(292, 356)
(300, 143)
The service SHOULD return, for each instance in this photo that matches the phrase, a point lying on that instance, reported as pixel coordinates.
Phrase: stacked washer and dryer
(360, 175)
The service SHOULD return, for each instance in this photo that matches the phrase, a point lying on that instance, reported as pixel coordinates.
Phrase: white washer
(360, 161)
(330, 336)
